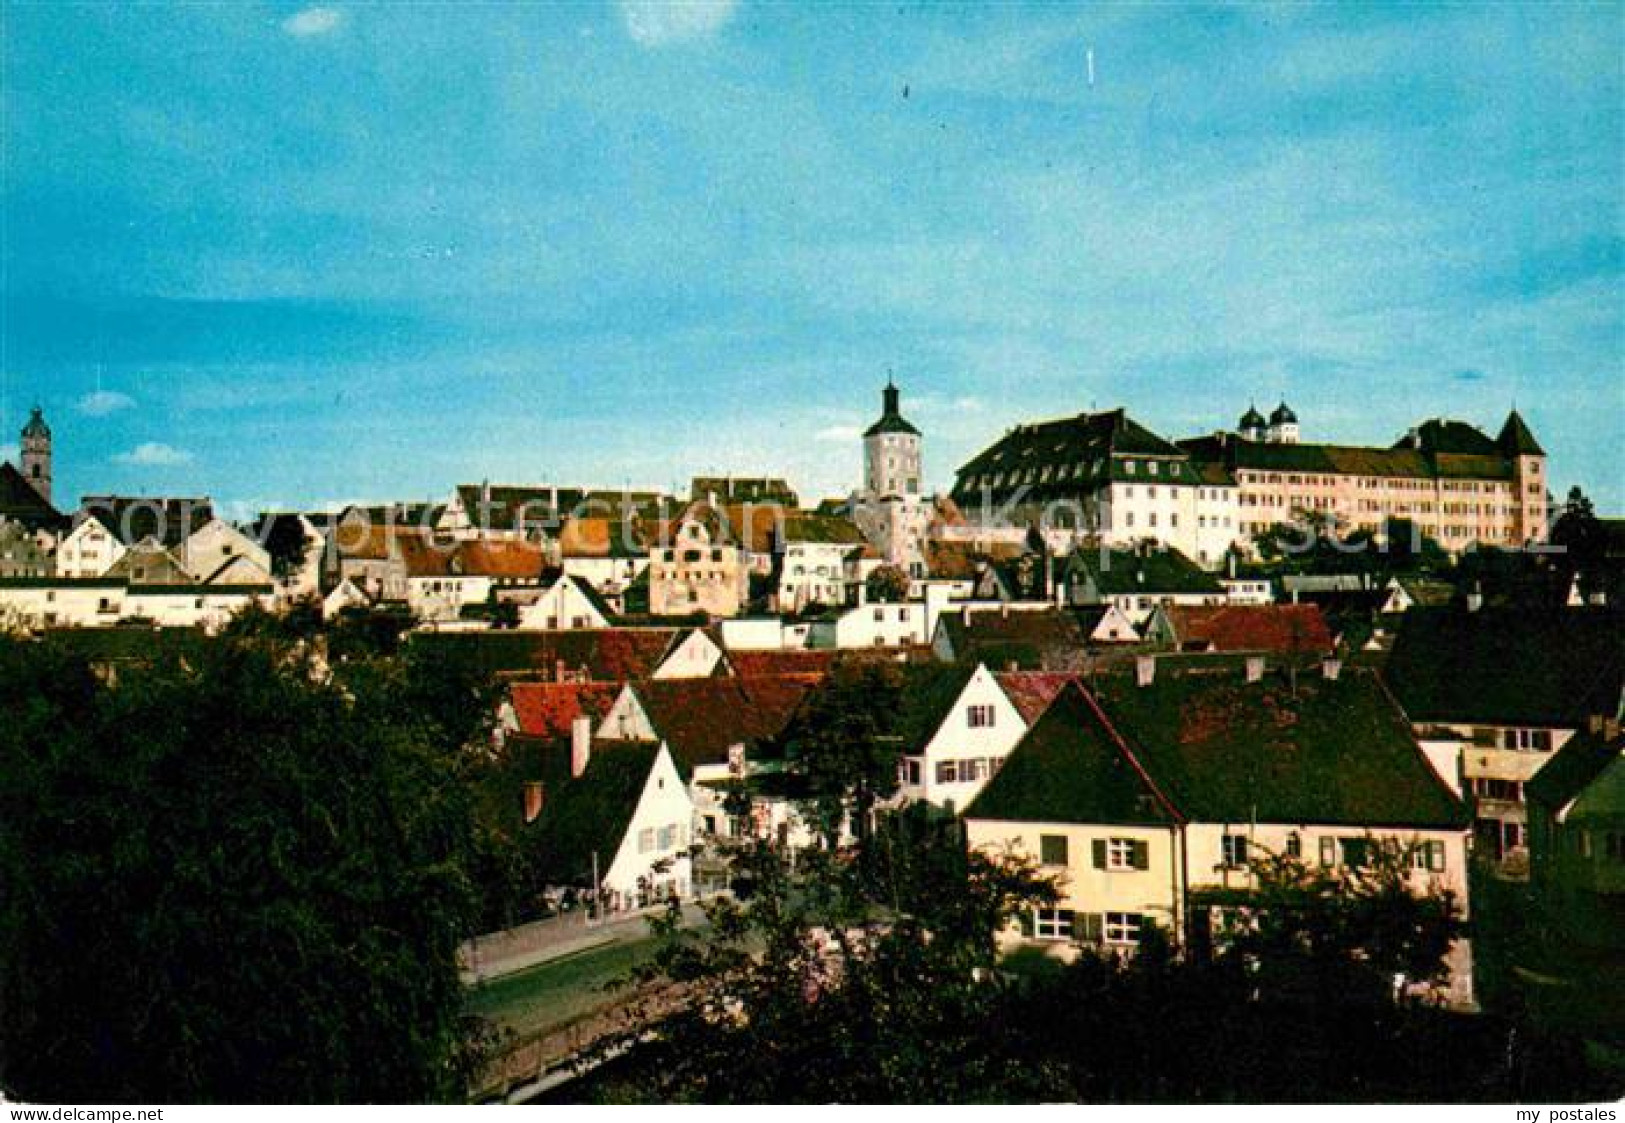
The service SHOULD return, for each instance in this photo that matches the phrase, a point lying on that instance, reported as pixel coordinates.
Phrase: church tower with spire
(36, 453)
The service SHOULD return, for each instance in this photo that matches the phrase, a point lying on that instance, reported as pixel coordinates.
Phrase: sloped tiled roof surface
(1516, 439)
(1285, 629)
(606, 654)
(1089, 447)
(701, 718)
(1031, 639)
(1148, 572)
(602, 537)
(797, 661)
(1573, 768)
(1031, 692)
(1514, 665)
(585, 815)
(20, 503)
(547, 709)
(1067, 769)
(131, 518)
(1223, 750)
(953, 560)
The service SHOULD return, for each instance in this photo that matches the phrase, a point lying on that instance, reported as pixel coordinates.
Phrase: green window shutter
(1097, 850)
(1071, 924)
(1142, 855)
(1086, 927)
(1027, 927)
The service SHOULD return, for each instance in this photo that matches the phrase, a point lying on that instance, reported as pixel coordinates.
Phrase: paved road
(502, 953)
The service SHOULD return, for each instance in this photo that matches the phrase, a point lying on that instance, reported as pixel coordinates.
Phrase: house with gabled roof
(697, 565)
(566, 603)
(1577, 836)
(443, 577)
(218, 551)
(957, 725)
(1048, 639)
(1494, 692)
(1138, 579)
(718, 729)
(607, 553)
(88, 550)
(1096, 475)
(1148, 795)
(613, 823)
(694, 653)
(1405, 593)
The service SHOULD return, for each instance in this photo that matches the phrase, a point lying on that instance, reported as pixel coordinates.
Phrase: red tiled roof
(605, 654)
(1031, 692)
(546, 709)
(701, 718)
(794, 661)
(1285, 629)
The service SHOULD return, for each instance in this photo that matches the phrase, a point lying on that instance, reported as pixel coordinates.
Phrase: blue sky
(293, 254)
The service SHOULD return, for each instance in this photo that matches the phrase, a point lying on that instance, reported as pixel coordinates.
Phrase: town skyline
(611, 246)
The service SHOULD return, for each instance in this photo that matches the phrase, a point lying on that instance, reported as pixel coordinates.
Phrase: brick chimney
(580, 744)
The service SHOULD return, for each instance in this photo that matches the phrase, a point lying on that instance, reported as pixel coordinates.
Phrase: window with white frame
(1052, 924)
(1123, 927)
(1120, 853)
(948, 772)
(979, 717)
(646, 840)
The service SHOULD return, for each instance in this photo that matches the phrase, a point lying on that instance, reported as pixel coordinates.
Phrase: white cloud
(654, 23)
(840, 434)
(313, 21)
(152, 454)
(104, 402)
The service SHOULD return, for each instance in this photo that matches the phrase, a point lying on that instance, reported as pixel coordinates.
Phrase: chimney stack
(533, 800)
(580, 744)
(1255, 668)
(1331, 668)
(1145, 670)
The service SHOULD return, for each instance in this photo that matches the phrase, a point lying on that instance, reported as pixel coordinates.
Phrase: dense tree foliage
(832, 979)
(844, 743)
(238, 876)
(887, 585)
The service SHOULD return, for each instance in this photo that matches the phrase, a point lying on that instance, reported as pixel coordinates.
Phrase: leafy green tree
(287, 543)
(234, 878)
(844, 743)
(1346, 932)
(813, 988)
(887, 585)
(1580, 536)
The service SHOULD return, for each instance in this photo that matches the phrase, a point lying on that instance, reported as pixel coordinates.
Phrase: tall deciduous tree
(225, 878)
(844, 743)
